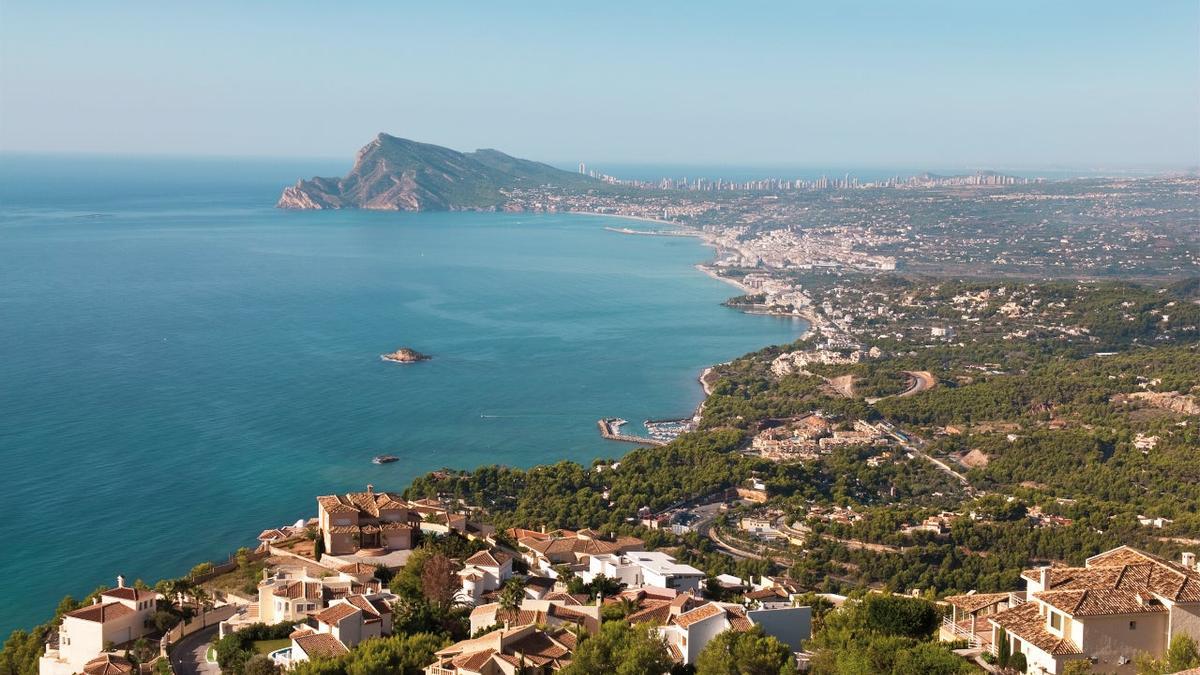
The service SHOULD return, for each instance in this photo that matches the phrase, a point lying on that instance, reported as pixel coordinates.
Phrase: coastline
(706, 373)
(707, 378)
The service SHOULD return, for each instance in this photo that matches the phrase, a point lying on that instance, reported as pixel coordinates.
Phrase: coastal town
(827, 479)
(326, 587)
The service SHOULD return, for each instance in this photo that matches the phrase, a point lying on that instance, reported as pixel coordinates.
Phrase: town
(325, 589)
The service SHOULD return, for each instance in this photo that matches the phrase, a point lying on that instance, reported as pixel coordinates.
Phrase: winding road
(188, 655)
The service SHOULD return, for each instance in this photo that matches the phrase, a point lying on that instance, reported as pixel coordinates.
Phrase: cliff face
(397, 174)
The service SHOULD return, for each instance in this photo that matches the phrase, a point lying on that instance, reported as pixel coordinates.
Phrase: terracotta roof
(1100, 602)
(334, 613)
(539, 646)
(738, 621)
(108, 664)
(474, 661)
(1025, 622)
(1125, 569)
(320, 644)
(767, 594)
(377, 607)
(101, 612)
(127, 593)
(973, 602)
(309, 590)
(358, 568)
(332, 504)
(658, 611)
(487, 558)
(676, 654)
(706, 611)
(517, 534)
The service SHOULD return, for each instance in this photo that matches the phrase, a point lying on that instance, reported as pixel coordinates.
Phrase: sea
(182, 365)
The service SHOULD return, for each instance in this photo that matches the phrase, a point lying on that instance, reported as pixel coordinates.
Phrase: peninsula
(397, 174)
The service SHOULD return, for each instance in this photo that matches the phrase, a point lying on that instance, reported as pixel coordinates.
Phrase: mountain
(397, 174)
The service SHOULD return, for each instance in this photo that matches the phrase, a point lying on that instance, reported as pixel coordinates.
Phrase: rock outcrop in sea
(397, 174)
(405, 355)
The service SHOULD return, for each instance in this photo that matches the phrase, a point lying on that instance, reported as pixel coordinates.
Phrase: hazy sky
(1001, 83)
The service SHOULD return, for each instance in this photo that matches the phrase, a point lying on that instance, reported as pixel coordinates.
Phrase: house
(108, 664)
(636, 569)
(564, 547)
(507, 651)
(758, 525)
(118, 616)
(365, 520)
(484, 572)
(970, 616)
(688, 632)
(561, 610)
(294, 593)
(307, 645)
(356, 618)
(1119, 604)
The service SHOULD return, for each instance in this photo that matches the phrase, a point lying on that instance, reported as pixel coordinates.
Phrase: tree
(513, 594)
(745, 653)
(928, 658)
(203, 602)
(260, 664)
(201, 569)
(439, 581)
(1182, 654)
(898, 615)
(620, 649)
(318, 548)
(397, 655)
(1078, 667)
(1003, 649)
(1017, 662)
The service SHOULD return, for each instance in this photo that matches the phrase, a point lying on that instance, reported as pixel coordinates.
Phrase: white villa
(644, 568)
(1120, 603)
(119, 616)
(483, 573)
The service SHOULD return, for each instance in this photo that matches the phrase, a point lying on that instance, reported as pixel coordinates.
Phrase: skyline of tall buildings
(846, 182)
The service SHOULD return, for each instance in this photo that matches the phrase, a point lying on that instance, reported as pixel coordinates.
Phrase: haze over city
(1014, 84)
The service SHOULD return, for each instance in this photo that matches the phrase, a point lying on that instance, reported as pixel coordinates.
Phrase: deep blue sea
(183, 365)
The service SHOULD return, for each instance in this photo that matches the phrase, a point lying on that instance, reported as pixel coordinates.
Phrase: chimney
(1044, 576)
(370, 489)
(1188, 560)
(120, 581)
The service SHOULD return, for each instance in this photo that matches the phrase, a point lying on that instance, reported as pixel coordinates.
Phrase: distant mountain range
(397, 174)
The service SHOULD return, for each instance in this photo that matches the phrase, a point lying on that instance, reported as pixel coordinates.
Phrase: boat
(385, 459)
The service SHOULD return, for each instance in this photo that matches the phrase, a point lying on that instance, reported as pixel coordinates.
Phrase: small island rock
(405, 355)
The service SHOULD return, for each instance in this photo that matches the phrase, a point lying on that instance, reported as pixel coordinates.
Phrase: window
(1056, 621)
(1132, 625)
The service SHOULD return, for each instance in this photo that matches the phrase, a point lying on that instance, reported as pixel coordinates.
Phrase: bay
(182, 365)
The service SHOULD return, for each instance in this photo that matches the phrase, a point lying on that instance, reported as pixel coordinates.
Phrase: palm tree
(203, 601)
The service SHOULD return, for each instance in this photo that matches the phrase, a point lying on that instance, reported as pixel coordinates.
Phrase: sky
(1019, 83)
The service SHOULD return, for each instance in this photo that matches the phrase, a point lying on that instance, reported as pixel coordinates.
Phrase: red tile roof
(320, 644)
(108, 664)
(101, 612)
(335, 613)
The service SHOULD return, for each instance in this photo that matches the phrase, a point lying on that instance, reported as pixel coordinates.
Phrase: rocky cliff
(397, 174)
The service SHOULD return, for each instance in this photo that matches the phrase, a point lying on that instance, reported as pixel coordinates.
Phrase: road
(922, 380)
(187, 656)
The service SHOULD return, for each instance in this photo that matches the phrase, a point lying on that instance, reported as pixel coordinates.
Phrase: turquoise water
(182, 365)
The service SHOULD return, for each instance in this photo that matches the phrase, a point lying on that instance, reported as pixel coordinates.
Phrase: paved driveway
(187, 657)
